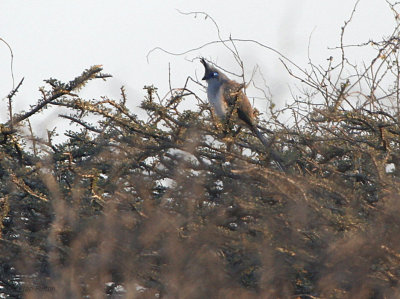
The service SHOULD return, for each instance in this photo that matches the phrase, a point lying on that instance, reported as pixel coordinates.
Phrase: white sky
(60, 39)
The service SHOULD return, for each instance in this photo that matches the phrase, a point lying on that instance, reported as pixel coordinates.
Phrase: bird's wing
(232, 90)
(234, 95)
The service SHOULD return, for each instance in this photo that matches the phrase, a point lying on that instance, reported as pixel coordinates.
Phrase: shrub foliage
(179, 205)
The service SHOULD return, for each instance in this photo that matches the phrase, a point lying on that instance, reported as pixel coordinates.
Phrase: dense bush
(179, 205)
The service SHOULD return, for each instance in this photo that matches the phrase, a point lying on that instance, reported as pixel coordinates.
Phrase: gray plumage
(224, 95)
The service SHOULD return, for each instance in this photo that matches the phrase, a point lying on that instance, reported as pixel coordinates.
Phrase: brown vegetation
(176, 206)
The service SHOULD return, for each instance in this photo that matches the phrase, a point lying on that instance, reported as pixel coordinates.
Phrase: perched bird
(227, 97)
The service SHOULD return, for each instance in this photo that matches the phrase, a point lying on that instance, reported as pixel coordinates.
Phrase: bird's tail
(274, 155)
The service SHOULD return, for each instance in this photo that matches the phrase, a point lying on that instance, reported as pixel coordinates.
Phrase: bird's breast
(217, 101)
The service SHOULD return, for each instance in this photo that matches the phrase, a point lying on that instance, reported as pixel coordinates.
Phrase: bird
(226, 97)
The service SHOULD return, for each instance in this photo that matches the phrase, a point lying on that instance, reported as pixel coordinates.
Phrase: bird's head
(211, 73)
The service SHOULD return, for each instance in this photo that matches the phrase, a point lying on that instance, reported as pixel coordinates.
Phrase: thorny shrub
(180, 206)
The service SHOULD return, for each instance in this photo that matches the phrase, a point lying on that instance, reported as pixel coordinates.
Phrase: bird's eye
(215, 74)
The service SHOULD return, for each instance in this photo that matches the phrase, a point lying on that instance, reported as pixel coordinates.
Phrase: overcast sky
(60, 39)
